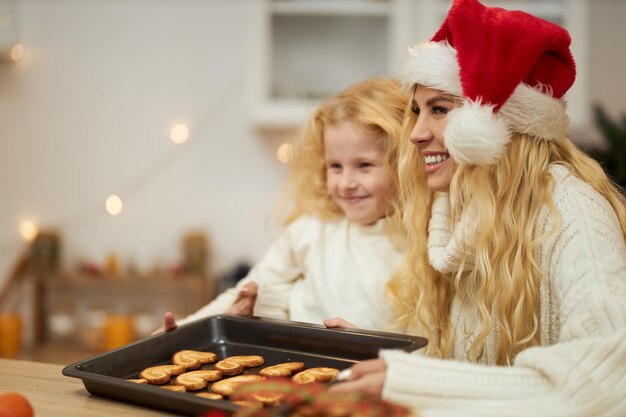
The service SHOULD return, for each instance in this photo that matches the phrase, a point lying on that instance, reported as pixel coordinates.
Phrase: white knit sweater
(580, 367)
(318, 270)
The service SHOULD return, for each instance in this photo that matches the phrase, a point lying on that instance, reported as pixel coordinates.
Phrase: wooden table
(53, 395)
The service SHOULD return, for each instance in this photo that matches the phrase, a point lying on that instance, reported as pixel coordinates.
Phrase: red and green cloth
(311, 400)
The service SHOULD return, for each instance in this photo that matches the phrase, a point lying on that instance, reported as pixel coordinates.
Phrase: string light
(179, 134)
(135, 186)
(28, 230)
(17, 52)
(285, 153)
(114, 205)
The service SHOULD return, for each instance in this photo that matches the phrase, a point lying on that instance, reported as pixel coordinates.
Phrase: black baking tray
(227, 335)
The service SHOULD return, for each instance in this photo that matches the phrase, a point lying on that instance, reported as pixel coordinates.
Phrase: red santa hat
(510, 68)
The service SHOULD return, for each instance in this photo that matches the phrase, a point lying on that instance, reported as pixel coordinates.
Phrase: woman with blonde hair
(516, 273)
(338, 247)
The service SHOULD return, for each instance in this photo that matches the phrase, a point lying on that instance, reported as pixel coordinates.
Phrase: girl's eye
(365, 165)
(415, 109)
(334, 166)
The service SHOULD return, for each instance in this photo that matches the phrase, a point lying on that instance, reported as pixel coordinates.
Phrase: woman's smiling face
(431, 108)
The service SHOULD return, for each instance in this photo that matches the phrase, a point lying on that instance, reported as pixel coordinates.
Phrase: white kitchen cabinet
(302, 51)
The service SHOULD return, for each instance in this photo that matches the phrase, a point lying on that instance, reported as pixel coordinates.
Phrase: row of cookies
(185, 364)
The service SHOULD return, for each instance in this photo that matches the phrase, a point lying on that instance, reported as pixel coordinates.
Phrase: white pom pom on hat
(475, 135)
(511, 70)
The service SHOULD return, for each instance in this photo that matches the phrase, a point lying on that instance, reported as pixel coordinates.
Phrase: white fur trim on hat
(475, 135)
(535, 112)
(432, 64)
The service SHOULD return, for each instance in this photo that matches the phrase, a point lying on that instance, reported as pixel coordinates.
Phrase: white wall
(608, 55)
(88, 110)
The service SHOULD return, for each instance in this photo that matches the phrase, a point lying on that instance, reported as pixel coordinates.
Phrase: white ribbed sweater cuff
(273, 300)
(586, 377)
(415, 375)
(445, 245)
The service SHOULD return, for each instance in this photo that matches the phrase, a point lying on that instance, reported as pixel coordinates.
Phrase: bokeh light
(179, 134)
(28, 230)
(285, 153)
(114, 205)
(17, 52)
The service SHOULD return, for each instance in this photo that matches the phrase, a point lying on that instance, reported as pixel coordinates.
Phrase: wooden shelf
(78, 307)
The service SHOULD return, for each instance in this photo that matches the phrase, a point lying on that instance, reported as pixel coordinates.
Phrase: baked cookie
(282, 369)
(268, 399)
(229, 368)
(210, 395)
(310, 375)
(161, 374)
(177, 388)
(249, 404)
(196, 380)
(193, 359)
(138, 380)
(226, 387)
(248, 361)
(233, 365)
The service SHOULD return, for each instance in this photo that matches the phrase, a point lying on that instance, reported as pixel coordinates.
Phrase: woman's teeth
(435, 159)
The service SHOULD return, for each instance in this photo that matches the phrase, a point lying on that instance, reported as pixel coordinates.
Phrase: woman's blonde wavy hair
(504, 283)
(376, 105)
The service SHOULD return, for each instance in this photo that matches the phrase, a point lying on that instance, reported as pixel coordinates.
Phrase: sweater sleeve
(219, 305)
(276, 275)
(444, 249)
(582, 378)
(584, 373)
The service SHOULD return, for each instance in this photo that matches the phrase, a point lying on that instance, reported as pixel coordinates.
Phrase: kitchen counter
(53, 395)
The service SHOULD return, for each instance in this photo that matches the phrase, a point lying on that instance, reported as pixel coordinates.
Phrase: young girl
(523, 264)
(337, 250)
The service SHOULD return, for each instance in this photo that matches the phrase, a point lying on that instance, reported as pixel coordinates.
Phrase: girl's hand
(367, 376)
(339, 322)
(169, 323)
(245, 303)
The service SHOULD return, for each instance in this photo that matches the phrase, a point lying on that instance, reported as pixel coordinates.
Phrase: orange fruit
(13, 404)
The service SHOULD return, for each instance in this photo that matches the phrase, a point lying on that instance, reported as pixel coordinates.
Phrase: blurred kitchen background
(142, 142)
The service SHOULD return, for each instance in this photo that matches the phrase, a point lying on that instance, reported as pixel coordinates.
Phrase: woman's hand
(169, 323)
(367, 376)
(245, 301)
(339, 322)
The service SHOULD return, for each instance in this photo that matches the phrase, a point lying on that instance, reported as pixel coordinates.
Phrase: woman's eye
(440, 110)
(415, 110)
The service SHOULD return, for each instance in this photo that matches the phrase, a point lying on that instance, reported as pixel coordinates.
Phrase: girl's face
(357, 177)
(431, 108)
